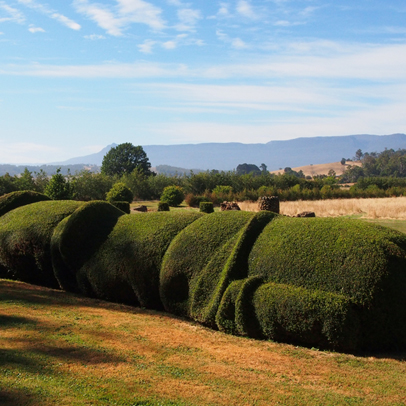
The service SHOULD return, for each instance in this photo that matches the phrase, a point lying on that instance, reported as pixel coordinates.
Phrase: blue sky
(77, 75)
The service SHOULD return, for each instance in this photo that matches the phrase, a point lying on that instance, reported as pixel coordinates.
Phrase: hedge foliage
(206, 207)
(25, 237)
(123, 265)
(331, 283)
(17, 199)
(123, 206)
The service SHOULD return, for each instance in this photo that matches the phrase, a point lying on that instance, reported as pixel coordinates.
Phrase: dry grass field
(60, 349)
(382, 208)
(322, 169)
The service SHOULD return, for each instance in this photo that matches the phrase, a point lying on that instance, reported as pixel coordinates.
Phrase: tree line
(381, 174)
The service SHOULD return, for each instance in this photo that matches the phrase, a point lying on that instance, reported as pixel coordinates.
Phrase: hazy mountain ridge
(275, 154)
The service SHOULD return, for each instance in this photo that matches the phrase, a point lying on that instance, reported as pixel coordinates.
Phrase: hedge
(206, 207)
(204, 258)
(332, 283)
(13, 200)
(364, 263)
(25, 237)
(124, 264)
(123, 206)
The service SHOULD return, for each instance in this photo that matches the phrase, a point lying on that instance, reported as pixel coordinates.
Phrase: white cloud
(126, 12)
(188, 19)
(50, 13)
(66, 21)
(245, 9)
(146, 47)
(94, 37)
(238, 43)
(26, 152)
(14, 15)
(169, 45)
(35, 29)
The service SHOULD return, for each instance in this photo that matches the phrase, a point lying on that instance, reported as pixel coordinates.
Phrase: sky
(78, 75)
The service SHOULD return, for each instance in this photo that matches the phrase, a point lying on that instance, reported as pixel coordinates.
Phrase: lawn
(61, 349)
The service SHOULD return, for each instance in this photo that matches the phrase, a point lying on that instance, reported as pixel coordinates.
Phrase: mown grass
(61, 349)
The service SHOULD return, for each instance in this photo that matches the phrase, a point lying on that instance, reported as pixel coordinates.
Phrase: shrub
(163, 206)
(124, 266)
(364, 263)
(206, 207)
(194, 201)
(58, 188)
(25, 237)
(119, 193)
(204, 258)
(173, 195)
(17, 199)
(123, 206)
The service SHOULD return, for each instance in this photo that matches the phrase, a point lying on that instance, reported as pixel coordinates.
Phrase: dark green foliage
(297, 315)
(206, 207)
(245, 169)
(125, 266)
(120, 193)
(364, 263)
(163, 206)
(91, 186)
(17, 199)
(58, 188)
(205, 258)
(194, 201)
(173, 195)
(123, 206)
(76, 239)
(124, 158)
(25, 236)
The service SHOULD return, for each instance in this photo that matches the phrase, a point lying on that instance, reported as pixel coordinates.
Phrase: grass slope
(60, 349)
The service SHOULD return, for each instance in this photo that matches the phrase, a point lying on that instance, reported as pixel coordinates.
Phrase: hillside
(322, 169)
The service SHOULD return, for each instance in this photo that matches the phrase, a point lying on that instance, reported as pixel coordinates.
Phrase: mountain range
(274, 154)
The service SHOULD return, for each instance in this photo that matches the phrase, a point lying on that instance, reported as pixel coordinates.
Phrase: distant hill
(322, 169)
(274, 154)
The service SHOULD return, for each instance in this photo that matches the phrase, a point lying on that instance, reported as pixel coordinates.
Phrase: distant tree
(263, 168)
(124, 158)
(41, 180)
(91, 186)
(343, 161)
(58, 187)
(7, 184)
(26, 181)
(245, 169)
(358, 155)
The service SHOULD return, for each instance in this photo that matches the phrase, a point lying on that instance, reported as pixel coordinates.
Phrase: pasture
(57, 348)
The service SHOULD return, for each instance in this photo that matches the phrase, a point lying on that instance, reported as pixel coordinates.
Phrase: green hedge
(123, 206)
(204, 258)
(124, 264)
(25, 236)
(17, 199)
(362, 262)
(206, 207)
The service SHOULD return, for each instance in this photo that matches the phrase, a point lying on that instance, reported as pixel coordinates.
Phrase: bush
(123, 206)
(119, 193)
(194, 201)
(17, 199)
(173, 195)
(163, 206)
(125, 263)
(25, 238)
(364, 263)
(206, 207)
(58, 188)
(204, 258)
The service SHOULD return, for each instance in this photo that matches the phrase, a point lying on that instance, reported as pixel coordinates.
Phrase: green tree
(58, 187)
(91, 186)
(173, 195)
(26, 181)
(343, 161)
(41, 181)
(120, 193)
(124, 158)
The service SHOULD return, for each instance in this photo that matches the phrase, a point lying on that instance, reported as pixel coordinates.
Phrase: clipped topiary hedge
(13, 200)
(123, 206)
(124, 264)
(25, 237)
(163, 206)
(206, 207)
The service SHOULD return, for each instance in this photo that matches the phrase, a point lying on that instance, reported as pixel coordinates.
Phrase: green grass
(398, 225)
(61, 349)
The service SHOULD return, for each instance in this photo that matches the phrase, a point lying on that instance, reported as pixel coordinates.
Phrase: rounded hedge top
(13, 200)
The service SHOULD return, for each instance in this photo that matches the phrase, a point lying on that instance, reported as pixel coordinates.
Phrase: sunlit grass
(61, 349)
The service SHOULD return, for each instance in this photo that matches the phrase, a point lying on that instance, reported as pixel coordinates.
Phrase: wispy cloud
(146, 46)
(35, 29)
(115, 19)
(188, 19)
(44, 9)
(94, 37)
(13, 15)
(245, 9)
